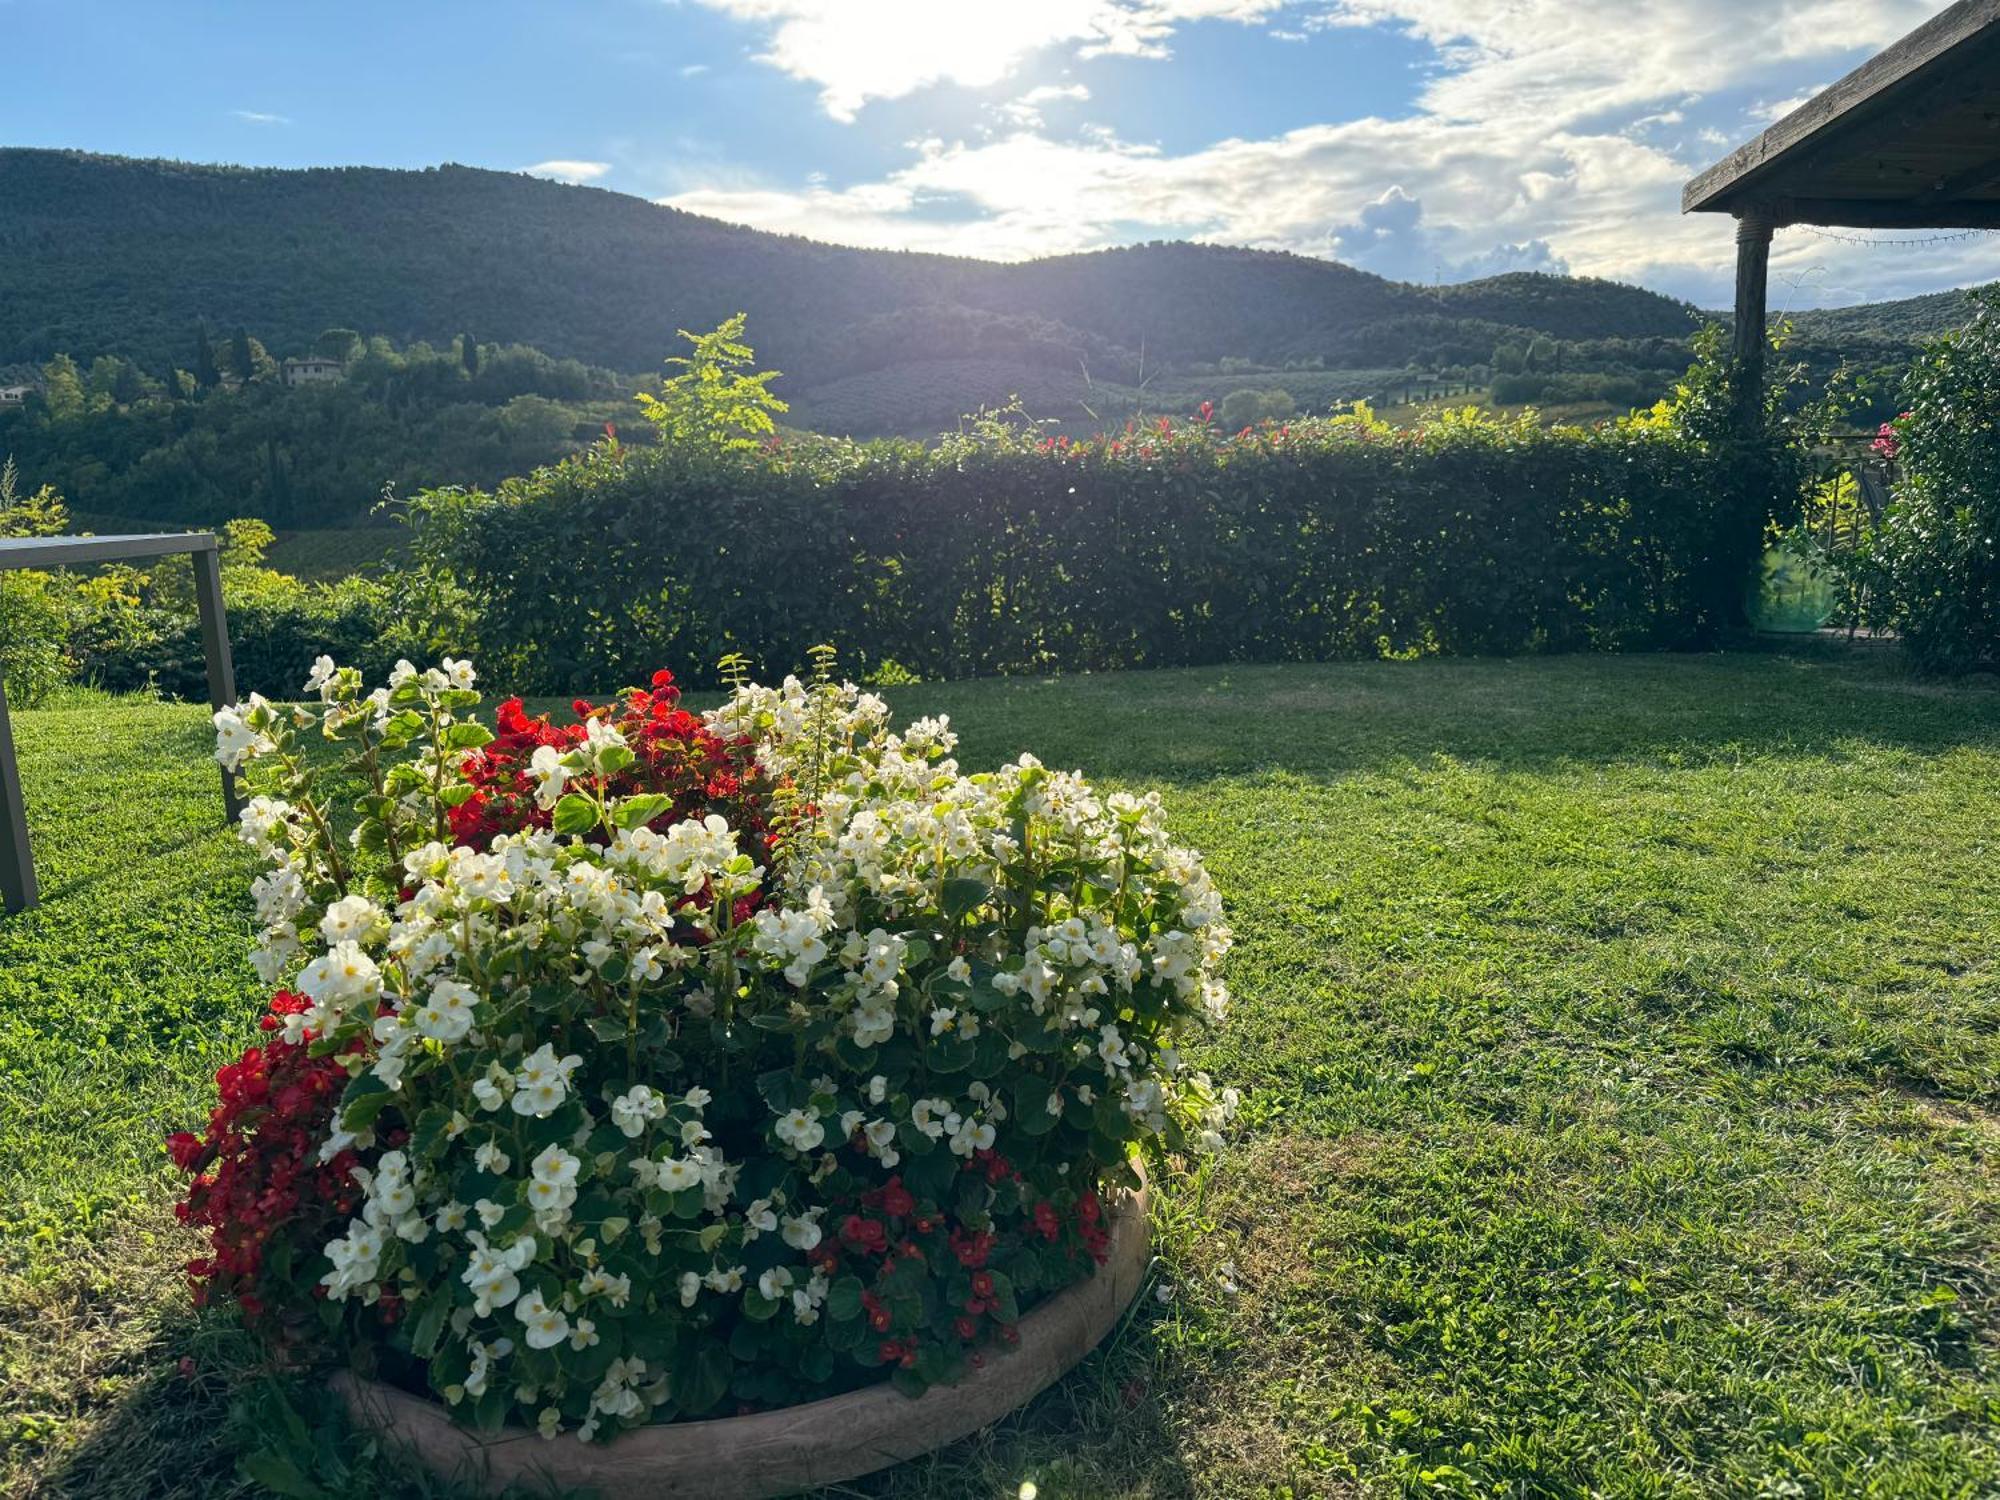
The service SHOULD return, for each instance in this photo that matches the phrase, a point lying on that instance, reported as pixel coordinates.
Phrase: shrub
(35, 607)
(1935, 567)
(686, 1063)
(1002, 551)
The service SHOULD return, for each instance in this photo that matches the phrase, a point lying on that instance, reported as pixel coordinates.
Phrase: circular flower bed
(653, 1065)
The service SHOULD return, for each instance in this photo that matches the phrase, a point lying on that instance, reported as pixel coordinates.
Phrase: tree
(126, 384)
(712, 403)
(242, 363)
(468, 353)
(206, 374)
(1241, 408)
(343, 344)
(170, 384)
(62, 389)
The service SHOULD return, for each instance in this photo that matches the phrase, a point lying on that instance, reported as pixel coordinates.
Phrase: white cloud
(564, 170)
(859, 50)
(694, 70)
(1552, 133)
(1027, 110)
(261, 117)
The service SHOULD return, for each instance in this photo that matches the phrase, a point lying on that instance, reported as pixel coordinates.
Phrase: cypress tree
(241, 364)
(468, 353)
(206, 375)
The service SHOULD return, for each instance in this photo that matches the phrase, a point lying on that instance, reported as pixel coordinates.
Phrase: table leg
(17, 866)
(215, 646)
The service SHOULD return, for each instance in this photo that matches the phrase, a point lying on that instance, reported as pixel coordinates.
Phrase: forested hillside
(1887, 322)
(112, 255)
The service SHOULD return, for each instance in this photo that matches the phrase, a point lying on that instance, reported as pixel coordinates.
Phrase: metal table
(17, 869)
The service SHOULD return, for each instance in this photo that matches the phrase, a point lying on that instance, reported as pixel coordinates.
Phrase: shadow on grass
(1200, 725)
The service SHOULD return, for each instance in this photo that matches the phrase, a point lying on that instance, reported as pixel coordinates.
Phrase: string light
(1914, 240)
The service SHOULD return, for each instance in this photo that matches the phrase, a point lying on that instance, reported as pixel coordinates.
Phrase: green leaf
(429, 1326)
(575, 814)
(364, 1100)
(634, 811)
(277, 1473)
(467, 735)
(843, 1299)
(607, 1028)
(962, 895)
(1031, 1105)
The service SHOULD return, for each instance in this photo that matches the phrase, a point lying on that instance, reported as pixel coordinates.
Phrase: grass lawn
(1621, 1044)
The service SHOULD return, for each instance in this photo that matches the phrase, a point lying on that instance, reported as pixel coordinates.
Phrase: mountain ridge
(128, 255)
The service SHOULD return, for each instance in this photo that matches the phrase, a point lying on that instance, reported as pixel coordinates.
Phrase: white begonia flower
(597, 1282)
(340, 977)
(800, 1130)
(555, 1166)
(677, 1174)
(547, 1326)
(696, 850)
(492, 1092)
(546, 766)
(490, 1158)
(264, 823)
(802, 1231)
(459, 673)
(634, 1109)
(319, 680)
(235, 740)
(541, 1083)
(774, 1283)
(971, 1136)
(447, 1016)
(928, 1115)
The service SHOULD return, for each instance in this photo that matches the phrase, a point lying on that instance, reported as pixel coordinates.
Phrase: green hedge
(999, 552)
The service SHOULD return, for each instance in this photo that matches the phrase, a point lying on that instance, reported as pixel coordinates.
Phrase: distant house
(14, 395)
(312, 370)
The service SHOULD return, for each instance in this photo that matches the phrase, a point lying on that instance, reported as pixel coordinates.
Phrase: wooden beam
(1870, 87)
(1971, 180)
(1753, 264)
(1875, 213)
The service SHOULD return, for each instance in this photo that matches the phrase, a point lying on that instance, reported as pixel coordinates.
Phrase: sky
(1427, 140)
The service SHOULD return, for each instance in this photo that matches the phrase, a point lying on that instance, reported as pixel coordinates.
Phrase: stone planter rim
(772, 1453)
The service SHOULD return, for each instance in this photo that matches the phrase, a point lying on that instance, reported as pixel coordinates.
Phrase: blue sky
(1422, 139)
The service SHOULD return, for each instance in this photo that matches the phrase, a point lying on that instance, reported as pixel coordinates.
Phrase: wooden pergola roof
(1910, 139)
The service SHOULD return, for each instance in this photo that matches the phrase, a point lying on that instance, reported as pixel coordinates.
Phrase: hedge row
(1001, 553)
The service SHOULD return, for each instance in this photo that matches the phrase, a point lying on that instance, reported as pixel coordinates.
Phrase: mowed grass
(1621, 1046)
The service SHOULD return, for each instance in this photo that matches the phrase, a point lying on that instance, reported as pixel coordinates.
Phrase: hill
(115, 255)
(1906, 321)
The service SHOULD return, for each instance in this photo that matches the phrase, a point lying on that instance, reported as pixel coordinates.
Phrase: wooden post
(1753, 262)
(215, 647)
(17, 870)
